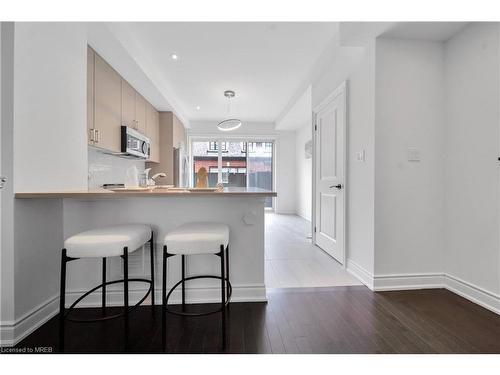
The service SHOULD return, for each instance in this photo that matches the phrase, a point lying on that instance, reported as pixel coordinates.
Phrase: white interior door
(330, 144)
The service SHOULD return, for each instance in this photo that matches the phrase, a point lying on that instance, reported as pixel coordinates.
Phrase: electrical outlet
(413, 154)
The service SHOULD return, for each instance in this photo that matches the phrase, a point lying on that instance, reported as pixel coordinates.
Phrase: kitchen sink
(179, 189)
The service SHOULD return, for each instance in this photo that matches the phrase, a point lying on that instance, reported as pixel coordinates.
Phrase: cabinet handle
(97, 136)
(91, 135)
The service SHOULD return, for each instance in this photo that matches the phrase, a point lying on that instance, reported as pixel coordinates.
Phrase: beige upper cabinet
(171, 135)
(113, 102)
(153, 132)
(178, 132)
(140, 113)
(107, 106)
(90, 95)
(128, 105)
(133, 108)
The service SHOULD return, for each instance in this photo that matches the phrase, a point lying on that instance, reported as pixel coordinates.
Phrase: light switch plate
(413, 154)
(360, 156)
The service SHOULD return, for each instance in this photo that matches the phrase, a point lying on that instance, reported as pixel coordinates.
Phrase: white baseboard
(360, 273)
(303, 217)
(473, 293)
(408, 281)
(241, 293)
(12, 333)
(285, 212)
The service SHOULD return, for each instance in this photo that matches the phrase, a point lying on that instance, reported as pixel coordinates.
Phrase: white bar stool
(192, 239)
(120, 240)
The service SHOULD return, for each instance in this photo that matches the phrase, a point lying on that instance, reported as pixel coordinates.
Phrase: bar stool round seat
(108, 241)
(111, 241)
(197, 238)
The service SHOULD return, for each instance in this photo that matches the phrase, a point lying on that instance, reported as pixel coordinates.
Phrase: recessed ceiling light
(198, 107)
(174, 56)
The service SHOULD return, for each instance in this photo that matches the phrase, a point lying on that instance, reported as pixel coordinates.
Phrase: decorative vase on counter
(202, 178)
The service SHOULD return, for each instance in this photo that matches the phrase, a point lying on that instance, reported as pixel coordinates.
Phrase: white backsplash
(106, 169)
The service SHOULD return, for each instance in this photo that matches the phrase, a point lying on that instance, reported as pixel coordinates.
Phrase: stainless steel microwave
(134, 143)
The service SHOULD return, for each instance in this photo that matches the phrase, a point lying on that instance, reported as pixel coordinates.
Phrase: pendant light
(230, 123)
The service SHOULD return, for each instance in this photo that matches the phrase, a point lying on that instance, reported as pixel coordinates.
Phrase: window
(212, 146)
(260, 167)
(240, 164)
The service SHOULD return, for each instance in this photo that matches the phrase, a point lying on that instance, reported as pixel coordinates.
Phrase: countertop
(102, 193)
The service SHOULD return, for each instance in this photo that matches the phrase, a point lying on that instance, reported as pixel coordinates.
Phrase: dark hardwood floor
(321, 320)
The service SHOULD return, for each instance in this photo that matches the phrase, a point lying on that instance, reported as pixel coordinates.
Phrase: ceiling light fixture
(174, 56)
(198, 107)
(230, 123)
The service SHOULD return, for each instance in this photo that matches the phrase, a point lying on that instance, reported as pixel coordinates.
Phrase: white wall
(357, 66)
(472, 170)
(303, 172)
(50, 106)
(285, 170)
(7, 313)
(408, 195)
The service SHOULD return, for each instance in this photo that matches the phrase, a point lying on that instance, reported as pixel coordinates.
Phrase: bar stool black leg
(164, 278)
(103, 286)
(125, 294)
(183, 261)
(125, 279)
(62, 300)
(227, 274)
(164, 301)
(223, 295)
(152, 254)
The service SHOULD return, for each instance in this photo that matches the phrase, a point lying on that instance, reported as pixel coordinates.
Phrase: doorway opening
(307, 248)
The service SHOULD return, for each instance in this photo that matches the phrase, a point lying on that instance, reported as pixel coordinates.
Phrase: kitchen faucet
(155, 176)
(152, 181)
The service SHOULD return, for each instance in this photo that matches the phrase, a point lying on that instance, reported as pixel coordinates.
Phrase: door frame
(342, 88)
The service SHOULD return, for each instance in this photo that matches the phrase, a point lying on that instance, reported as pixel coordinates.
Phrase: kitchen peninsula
(45, 219)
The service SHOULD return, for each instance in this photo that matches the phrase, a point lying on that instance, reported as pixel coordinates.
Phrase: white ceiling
(431, 31)
(299, 115)
(263, 62)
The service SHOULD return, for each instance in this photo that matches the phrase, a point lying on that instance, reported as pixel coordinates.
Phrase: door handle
(338, 186)
(2, 181)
